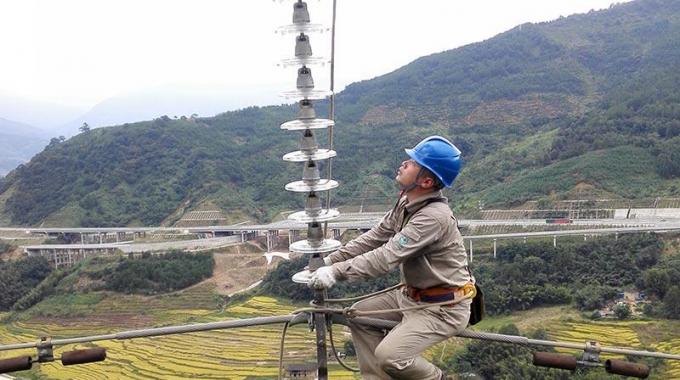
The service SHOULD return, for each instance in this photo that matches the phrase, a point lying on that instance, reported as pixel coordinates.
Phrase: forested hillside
(587, 105)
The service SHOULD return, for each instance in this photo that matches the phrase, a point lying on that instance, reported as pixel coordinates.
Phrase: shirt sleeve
(421, 231)
(370, 240)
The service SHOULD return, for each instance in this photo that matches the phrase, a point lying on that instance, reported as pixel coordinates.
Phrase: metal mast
(311, 155)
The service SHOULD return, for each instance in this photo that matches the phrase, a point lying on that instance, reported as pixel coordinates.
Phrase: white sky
(79, 52)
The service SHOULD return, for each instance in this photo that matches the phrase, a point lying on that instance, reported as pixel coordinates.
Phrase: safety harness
(439, 294)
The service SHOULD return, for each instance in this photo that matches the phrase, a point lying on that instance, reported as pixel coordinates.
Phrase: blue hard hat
(439, 156)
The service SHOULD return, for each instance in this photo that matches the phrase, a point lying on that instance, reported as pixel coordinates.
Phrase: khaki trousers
(397, 354)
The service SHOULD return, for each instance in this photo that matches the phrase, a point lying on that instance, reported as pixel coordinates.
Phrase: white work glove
(322, 278)
(327, 261)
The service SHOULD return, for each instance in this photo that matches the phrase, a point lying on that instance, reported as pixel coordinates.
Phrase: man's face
(407, 172)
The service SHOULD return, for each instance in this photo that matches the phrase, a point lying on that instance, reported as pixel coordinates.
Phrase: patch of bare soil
(383, 115)
(542, 317)
(517, 111)
(15, 254)
(236, 271)
(84, 283)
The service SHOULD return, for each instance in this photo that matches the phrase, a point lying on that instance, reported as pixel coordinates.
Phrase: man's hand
(327, 261)
(322, 278)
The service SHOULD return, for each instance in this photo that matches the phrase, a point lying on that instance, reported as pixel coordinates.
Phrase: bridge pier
(293, 236)
(336, 234)
(554, 241)
(272, 239)
(494, 247)
(471, 252)
(63, 255)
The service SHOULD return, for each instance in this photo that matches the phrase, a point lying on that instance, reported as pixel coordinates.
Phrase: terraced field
(628, 334)
(618, 334)
(252, 353)
(673, 367)
(227, 354)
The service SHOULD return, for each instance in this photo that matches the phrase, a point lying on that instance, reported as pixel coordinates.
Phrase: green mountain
(587, 105)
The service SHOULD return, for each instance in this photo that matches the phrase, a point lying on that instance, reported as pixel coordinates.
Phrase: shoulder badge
(403, 240)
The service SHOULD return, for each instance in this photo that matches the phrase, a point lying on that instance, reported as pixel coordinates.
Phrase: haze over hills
(25, 128)
(18, 143)
(172, 101)
(24, 141)
(583, 106)
(42, 115)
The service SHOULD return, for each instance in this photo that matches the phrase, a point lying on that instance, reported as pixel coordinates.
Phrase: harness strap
(437, 293)
(408, 215)
(349, 312)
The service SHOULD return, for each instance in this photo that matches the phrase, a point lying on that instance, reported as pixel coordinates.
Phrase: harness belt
(437, 293)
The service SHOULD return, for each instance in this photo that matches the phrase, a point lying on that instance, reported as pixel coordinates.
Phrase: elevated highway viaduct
(95, 240)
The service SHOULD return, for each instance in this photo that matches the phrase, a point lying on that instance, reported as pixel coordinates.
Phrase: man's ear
(427, 183)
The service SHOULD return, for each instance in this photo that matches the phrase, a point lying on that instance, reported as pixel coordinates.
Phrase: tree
(84, 128)
(622, 310)
(657, 280)
(671, 303)
(5, 247)
(592, 297)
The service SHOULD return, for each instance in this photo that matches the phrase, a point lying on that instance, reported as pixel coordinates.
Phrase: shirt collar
(416, 203)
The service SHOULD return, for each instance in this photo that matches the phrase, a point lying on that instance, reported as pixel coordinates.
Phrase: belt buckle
(411, 293)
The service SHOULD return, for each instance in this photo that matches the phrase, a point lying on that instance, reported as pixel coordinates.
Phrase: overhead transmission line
(591, 350)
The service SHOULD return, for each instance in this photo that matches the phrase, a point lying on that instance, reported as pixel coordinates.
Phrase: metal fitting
(45, 351)
(591, 355)
(300, 13)
(310, 173)
(313, 204)
(304, 78)
(306, 110)
(308, 143)
(314, 234)
(302, 46)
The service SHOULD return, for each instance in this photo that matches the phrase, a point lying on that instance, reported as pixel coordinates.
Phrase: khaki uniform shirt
(428, 250)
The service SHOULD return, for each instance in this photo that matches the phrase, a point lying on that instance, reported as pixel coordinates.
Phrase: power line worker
(420, 236)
